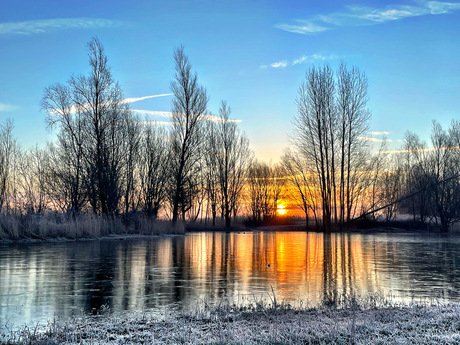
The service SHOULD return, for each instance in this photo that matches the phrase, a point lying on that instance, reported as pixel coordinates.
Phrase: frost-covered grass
(258, 323)
(50, 226)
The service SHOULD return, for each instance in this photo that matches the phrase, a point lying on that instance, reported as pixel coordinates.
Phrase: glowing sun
(281, 210)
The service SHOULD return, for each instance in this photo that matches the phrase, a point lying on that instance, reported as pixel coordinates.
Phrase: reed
(52, 226)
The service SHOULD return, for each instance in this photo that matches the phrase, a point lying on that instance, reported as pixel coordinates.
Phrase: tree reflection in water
(41, 281)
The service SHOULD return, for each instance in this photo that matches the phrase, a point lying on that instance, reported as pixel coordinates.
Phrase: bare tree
(31, 181)
(153, 165)
(132, 143)
(301, 185)
(435, 176)
(67, 169)
(391, 187)
(415, 179)
(95, 124)
(330, 122)
(264, 189)
(7, 151)
(211, 172)
(354, 117)
(188, 107)
(443, 174)
(233, 156)
(315, 136)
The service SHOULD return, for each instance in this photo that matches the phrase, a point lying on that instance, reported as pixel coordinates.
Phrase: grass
(369, 321)
(48, 226)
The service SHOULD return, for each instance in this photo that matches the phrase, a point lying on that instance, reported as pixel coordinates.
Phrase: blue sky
(254, 54)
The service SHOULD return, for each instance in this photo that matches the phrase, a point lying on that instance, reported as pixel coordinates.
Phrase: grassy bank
(257, 324)
(50, 226)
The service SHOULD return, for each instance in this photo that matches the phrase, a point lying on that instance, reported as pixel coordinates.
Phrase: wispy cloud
(137, 99)
(146, 123)
(7, 107)
(374, 140)
(168, 114)
(214, 118)
(314, 58)
(428, 149)
(46, 25)
(280, 64)
(303, 27)
(302, 60)
(73, 109)
(380, 133)
(354, 15)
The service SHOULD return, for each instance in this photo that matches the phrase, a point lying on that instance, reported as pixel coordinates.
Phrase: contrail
(137, 99)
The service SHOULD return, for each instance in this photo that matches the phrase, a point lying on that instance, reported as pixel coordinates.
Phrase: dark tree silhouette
(188, 108)
(96, 134)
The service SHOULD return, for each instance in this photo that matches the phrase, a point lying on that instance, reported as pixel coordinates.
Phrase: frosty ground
(257, 323)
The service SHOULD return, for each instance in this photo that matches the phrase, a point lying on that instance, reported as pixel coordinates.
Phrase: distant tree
(443, 176)
(153, 168)
(7, 157)
(188, 108)
(416, 182)
(132, 142)
(301, 184)
(391, 187)
(264, 190)
(233, 156)
(211, 172)
(32, 180)
(434, 176)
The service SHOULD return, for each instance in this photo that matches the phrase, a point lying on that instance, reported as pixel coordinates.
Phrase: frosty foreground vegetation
(258, 324)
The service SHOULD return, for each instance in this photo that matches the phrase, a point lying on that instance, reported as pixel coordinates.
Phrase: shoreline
(163, 228)
(256, 324)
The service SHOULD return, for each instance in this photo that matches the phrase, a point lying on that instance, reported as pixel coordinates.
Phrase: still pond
(42, 281)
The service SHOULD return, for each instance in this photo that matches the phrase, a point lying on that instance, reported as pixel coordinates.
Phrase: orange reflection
(298, 265)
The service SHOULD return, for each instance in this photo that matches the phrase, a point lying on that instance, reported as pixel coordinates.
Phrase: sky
(253, 54)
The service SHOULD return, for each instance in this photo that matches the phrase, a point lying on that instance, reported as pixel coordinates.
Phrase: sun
(281, 210)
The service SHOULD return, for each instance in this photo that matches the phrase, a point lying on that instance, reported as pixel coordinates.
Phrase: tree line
(108, 161)
(335, 175)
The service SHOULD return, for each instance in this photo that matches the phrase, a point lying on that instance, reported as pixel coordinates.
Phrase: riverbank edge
(60, 227)
(256, 324)
(57, 228)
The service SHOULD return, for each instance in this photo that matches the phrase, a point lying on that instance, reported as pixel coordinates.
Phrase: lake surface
(39, 282)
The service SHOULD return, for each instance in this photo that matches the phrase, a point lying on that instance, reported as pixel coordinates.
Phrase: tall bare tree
(188, 108)
(67, 169)
(233, 157)
(315, 136)
(330, 121)
(354, 118)
(94, 123)
(211, 172)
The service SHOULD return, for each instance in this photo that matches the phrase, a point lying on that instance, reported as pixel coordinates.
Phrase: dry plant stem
(365, 321)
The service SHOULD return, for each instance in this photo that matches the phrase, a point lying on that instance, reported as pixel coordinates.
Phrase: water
(39, 282)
